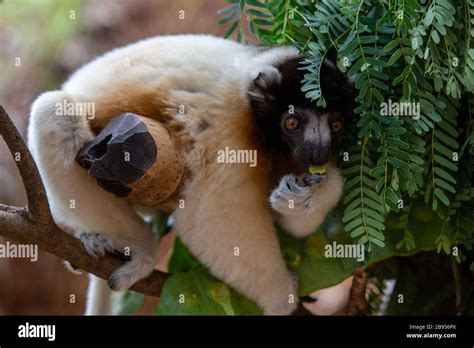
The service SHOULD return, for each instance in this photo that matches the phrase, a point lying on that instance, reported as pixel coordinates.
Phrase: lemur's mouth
(317, 174)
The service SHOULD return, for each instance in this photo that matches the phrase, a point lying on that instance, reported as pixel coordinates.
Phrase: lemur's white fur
(154, 77)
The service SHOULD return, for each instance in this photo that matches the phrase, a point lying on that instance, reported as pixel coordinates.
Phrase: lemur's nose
(311, 153)
(320, 155)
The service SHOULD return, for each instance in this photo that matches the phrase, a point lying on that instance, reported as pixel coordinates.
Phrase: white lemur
(233, 95)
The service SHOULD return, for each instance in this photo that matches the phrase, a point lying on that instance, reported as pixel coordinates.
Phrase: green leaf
(435, 36)
(395, 57)
(445, 163)
(130, 303)
(444, 174)
(196, 292)
(259, 13)
(444, 185)
(228, 18)
(357, 232)
(441, 196)
(377, 242)
(349, 216)
(181, 260)
(233, 8)
(256, 3)
(391, 45)
(429, 16)
(368, 39)
(262, 22)
(379, 84)
(231, 29)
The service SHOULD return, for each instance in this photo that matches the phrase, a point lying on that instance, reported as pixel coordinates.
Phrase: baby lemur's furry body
(211, 94)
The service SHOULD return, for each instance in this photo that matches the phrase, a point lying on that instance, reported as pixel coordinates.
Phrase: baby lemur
(211, 94)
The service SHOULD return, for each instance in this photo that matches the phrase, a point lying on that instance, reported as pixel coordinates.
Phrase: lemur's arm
(302, 209)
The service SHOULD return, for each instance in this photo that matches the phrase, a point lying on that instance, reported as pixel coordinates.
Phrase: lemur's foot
(96, 244)
(137, 267)
(289, 198)
(283, 299)
(132, 271)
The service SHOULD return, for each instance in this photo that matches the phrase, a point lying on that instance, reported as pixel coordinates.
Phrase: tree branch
(35, 225)
(357, 304)
(27, 168)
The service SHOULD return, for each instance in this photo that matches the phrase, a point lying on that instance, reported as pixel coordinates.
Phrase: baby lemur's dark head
(288, 121)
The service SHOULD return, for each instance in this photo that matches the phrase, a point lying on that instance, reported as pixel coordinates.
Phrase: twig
(457, 282)
(36, 194)
(357, 304)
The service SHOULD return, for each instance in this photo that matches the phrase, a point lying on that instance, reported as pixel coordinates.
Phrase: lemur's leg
(302, 209)
(227, 225)
(102, 221)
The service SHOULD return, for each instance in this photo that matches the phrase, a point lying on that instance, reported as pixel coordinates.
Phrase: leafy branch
(405, 52)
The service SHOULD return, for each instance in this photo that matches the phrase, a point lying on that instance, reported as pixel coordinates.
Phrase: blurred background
(41, 43)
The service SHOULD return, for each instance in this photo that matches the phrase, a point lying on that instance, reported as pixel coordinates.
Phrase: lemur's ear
(266, 80)
(338, 90)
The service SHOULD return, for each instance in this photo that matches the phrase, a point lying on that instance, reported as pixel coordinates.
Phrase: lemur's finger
(309, 179)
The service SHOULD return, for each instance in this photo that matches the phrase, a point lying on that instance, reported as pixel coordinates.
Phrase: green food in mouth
(320, 170)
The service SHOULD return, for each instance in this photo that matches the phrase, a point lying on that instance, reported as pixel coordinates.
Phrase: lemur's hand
(302, 205)
(291, 198)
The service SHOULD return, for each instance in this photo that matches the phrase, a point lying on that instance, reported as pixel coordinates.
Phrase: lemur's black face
(309, 132)
(289, 122)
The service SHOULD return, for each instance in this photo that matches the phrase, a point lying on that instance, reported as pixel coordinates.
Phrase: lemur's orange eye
(291, 123)
(336, 126)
